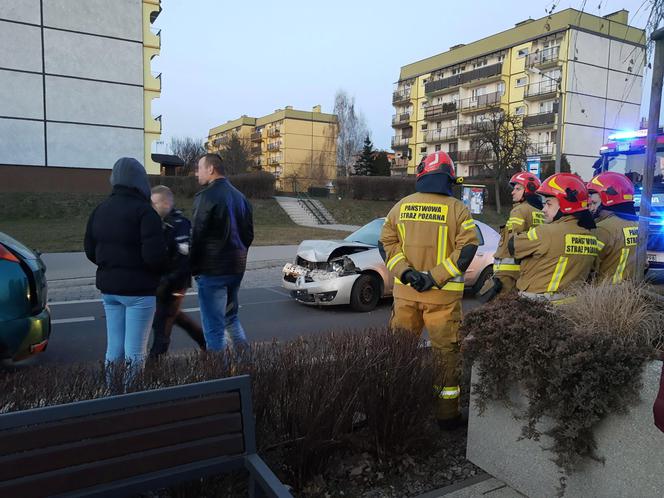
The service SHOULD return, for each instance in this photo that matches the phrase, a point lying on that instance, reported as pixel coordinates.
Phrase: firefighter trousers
(442, 322)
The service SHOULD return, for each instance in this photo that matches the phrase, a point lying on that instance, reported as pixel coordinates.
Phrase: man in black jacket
(175, 282)
(222, 232)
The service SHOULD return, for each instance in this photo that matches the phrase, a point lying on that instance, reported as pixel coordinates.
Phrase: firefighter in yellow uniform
(617, 227)
(428, 241)
(526, 213)
(563, 251)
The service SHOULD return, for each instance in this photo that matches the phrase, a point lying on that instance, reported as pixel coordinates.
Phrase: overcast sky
(221, 59)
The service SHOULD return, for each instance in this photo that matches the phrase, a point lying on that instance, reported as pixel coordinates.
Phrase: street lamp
(559, 122)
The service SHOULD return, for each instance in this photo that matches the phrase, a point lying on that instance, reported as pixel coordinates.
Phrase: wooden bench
(133, 443)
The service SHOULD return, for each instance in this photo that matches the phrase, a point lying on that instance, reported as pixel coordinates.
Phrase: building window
(501, 57)
(424, 126)
(437, 148)
(522, 53)
(423, 150)
(501, 87)
(520, 110)
(479, 63)
(521, 82)
(423, 104)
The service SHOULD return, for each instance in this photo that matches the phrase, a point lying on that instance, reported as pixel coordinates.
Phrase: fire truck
(626, 153)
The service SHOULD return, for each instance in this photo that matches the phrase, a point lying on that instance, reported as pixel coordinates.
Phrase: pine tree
(381, 164)
(364, 165)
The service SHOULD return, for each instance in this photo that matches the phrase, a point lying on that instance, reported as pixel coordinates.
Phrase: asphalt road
(79, 329)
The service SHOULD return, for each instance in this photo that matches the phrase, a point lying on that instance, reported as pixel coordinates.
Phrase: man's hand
(411, 277)
(424, 283)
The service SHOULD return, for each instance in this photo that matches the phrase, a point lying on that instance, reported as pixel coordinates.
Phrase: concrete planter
(631, 444)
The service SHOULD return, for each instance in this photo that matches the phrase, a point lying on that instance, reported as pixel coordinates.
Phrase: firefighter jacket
(617, 239)
(522, 217)
(554, 255)
(428, 232)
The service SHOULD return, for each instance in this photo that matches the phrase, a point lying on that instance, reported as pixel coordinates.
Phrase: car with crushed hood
(352, 271)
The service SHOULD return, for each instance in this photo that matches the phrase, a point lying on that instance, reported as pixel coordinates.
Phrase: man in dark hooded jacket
(429, 239)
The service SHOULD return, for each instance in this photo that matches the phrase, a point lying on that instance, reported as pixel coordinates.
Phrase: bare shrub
(309, 395)
(375, 188)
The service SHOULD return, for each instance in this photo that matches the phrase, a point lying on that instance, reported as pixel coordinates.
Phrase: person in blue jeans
(124, 238)
(222, 232)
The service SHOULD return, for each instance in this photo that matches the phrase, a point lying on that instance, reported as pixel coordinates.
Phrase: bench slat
(113, 422)
(88, 475)
(87, 451)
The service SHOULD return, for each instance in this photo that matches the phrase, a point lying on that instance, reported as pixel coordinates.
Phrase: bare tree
(352, 130)
(189, 150)
(502, 145)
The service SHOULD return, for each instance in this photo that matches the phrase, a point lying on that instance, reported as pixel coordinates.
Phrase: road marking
(73, 320)
(277, 291)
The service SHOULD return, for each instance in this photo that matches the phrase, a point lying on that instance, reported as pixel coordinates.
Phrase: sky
(221, 59)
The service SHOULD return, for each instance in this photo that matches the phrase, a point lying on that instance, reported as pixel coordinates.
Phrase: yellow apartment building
(151, 81)
(298, 147)
(589, 68)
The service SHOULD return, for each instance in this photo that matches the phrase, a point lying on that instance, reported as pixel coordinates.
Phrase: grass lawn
(57, 221)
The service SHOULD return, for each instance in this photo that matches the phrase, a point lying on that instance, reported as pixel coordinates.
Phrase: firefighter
(526, 213)
(428, 241)
(617, 228)
(563, 251)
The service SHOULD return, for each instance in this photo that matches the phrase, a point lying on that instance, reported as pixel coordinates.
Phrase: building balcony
(468, 129)
(446, 84)
(274, 146)
(546, 57)
(401, 96)
(440, 134)
(541, 149)
(274, 132)
(400, 142)
(474, 156)
(543, 119)
(399, 120)
(541, 90)
(440, 111)
(274, 161)
(481, 102)
(256, 150)
(256, 136)
(399, 164)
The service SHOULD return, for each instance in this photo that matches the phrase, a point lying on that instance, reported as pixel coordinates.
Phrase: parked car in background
(351, 271)
(25, 322)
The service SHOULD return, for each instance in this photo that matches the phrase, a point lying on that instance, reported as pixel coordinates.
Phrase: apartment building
(76, 88)
(298, 147)
(572, 73)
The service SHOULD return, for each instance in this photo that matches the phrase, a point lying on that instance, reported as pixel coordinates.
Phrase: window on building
(439, 125)
(500, 87)
(546, 106)
(453, 147)
(423, 150)
(521, 82)
(520, 110)
(501, 57)
(425, 126)
(479, 63)
(437, 148)
(522, 53)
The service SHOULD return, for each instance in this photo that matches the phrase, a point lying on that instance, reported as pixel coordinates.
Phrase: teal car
(25, 321)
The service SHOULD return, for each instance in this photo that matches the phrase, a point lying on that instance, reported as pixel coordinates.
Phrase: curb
(471, 481)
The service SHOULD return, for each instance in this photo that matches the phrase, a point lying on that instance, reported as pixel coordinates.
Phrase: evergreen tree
(381, 164)
(236, 156)
(364, 165)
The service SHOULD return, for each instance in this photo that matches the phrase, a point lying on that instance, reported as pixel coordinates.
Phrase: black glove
(411, 277)
(486, 293)
(424, 283)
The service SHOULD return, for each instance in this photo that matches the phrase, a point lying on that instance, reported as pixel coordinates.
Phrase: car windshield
(368, 234)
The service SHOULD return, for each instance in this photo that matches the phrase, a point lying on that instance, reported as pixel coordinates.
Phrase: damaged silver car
(351, 271)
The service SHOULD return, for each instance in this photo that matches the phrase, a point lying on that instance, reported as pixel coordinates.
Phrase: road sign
(534, 164)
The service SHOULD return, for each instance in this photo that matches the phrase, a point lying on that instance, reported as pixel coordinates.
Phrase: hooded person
(124, 238)
(428, 241)
(617, 227)
(561, 252)
(526, 213)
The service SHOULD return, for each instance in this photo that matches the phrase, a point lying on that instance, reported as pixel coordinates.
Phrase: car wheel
(365, 293)
(486, 274)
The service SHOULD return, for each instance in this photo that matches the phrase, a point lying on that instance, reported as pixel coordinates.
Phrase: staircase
(297, 212)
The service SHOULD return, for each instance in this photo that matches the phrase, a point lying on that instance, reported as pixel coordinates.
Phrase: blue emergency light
(626, 135)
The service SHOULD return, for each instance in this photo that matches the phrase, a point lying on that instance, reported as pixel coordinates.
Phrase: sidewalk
(476, 487)
(74, 265)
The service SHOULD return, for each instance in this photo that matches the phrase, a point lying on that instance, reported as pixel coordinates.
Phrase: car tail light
(6, 255)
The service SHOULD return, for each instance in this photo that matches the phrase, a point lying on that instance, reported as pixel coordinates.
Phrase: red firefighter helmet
(529, 181)
(569, 189)
(437, 162)
(613, 188)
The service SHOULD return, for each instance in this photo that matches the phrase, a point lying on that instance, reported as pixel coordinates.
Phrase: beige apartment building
(572, 73)
(298, 147)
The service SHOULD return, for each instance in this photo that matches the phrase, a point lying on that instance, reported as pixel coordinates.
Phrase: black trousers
(167, 315)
